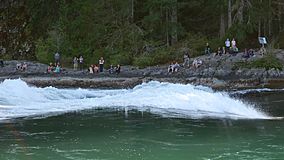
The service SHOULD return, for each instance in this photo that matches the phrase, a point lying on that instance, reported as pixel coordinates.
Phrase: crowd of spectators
(78, 65)
(21, 66)
(230, 49)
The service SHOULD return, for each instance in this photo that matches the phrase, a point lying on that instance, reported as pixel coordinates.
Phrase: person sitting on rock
(176, 67)
(96, 69)
(50, 68)
(170, 67)
(251, 52)
(219, 52)
(246, 54)
(91, 69)
(117, 69)
(19, 66)
(262, 51)
(194, 63)
(111, 69)
(197, 63)
(24, 66)
(57, 68)
(235, 50)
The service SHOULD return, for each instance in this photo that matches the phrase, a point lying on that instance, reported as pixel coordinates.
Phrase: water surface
(122, 131)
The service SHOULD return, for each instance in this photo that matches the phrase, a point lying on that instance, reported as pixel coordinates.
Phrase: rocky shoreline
(120, 82)
(216, 72)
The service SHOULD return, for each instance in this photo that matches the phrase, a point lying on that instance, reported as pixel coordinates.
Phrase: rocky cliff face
(15, 41)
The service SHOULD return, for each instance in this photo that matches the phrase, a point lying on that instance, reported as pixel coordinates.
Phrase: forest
(134, 32)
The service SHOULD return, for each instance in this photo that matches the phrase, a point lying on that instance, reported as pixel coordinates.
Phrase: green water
(113, 135)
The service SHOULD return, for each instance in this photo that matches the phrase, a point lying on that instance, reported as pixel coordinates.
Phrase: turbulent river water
(151, 121)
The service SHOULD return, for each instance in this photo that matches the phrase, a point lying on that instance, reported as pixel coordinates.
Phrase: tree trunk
(259, 28)
(270, 20)
(132, 11)
(222, 25)
(264, 28)
(167, 28)
(279, 17)
(229, 13)
(241, 18)
(269, 27)
(174, 36)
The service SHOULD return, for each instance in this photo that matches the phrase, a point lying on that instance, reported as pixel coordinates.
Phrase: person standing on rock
(101, 63)
(57, 57)
(1, 63)
(207, 49)
(186, 59)
(234, 43)
(75, 63)
(81, 62)
(228, 45)
(117, 69)
(223, 50)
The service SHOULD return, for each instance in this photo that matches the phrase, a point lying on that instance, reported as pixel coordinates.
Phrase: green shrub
(158, 57)
(121, 58)
(196, 43)
(66, 61)
(164, 56)
(143, 61)
(43, 53)
(268, 62)
(6, 56)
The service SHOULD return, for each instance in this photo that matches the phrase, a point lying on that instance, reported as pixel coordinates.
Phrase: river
(153, 121)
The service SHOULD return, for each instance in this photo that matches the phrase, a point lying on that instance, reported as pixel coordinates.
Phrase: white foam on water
(17, 99)
(258, 90)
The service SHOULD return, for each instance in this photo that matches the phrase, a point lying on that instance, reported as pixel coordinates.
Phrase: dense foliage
(147, 32)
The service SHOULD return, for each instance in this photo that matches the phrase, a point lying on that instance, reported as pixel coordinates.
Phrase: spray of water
(17, 99)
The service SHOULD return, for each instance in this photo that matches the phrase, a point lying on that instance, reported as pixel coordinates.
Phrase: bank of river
(115, 82)
(217, 72)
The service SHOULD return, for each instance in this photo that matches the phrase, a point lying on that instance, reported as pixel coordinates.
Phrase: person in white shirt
(228, 45)
(170, 68)
(75, 63)
(101, 63)
(197, 63)
(81, 62)
(24, 66)
(176, 67)
(234, 43)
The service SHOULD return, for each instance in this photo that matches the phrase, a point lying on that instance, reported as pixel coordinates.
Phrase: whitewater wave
(17, 99)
